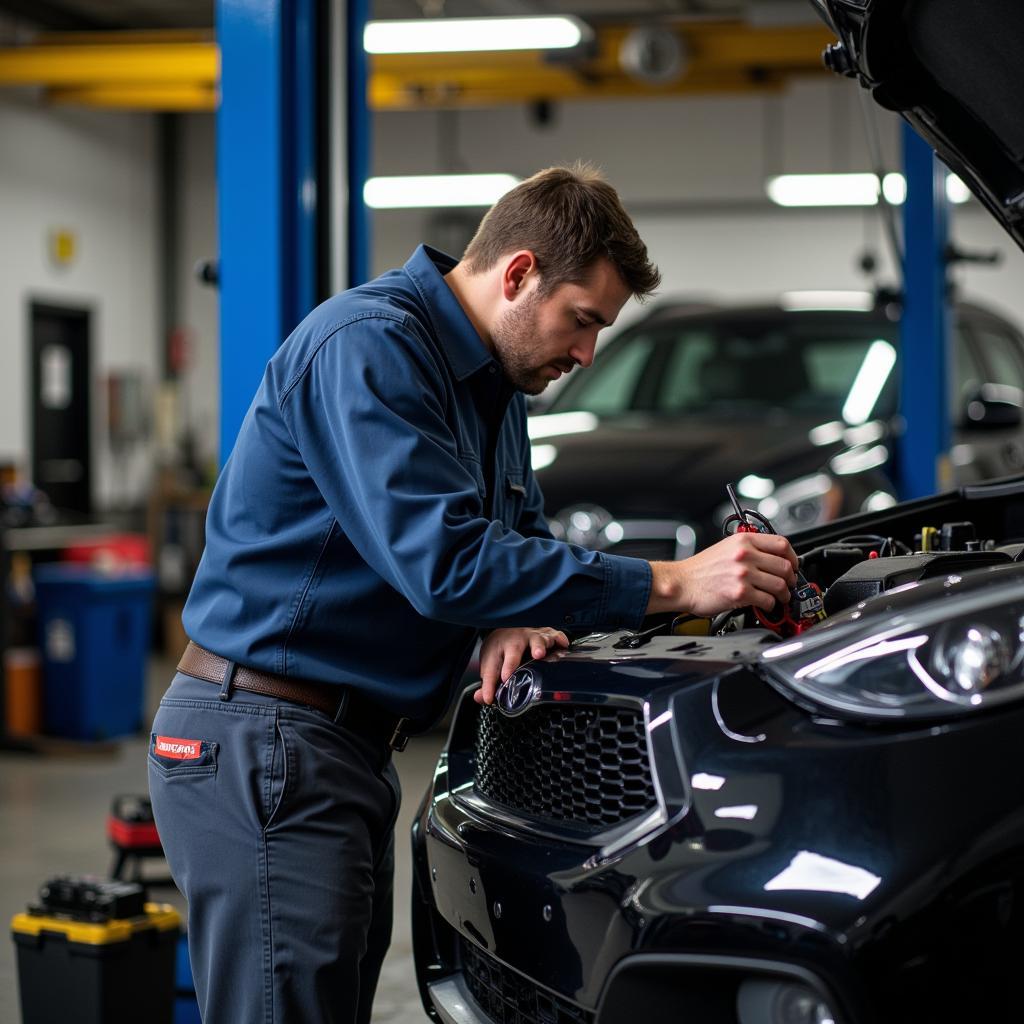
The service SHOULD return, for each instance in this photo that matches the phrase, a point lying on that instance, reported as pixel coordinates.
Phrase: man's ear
(520, 267)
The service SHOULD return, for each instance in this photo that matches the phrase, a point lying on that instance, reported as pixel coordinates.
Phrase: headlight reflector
(953, 645)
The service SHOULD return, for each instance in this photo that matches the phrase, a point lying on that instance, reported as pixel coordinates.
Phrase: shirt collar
(462, 346)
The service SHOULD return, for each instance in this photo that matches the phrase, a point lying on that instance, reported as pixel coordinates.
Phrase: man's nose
(583, 352)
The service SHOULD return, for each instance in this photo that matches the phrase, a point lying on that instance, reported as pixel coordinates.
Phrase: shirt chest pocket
(510, 498)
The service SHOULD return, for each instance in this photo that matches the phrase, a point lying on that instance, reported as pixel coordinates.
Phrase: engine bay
(858, 558)
(859, 567)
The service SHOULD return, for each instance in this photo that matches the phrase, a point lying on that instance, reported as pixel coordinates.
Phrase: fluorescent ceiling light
(450, 35)
(850, 189)
(417, 192)
(894, 188)
(956, 189)
(863, 302)
(879, 360)
(823, 189)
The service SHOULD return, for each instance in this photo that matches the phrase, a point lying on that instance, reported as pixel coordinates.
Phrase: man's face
(537, 339)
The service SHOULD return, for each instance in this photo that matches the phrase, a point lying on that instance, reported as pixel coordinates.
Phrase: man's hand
(504, 649)
(745, 569)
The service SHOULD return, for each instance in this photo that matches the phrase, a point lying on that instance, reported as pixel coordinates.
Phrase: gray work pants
(278, 826)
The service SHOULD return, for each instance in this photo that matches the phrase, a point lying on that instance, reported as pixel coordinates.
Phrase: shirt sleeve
(367, 414)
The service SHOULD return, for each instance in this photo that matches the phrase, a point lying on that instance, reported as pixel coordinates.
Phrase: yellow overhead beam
(484, 89)
(719, 57)
(109, 63)
(179, 70)
(182, 98)
(127, 36)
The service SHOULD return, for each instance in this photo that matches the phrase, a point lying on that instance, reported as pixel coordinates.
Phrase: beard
(519, 348)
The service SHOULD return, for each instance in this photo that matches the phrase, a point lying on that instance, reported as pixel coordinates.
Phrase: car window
(831, 365)
(1002, 356)
(968, 373)
(681, 383)
(725, 366)
(608, 387)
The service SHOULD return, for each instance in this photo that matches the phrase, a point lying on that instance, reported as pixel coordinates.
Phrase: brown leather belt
(342, 703)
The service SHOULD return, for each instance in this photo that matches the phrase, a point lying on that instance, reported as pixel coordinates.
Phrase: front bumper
(672, 927)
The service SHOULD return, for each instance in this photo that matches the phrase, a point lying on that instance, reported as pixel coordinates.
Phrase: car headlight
(931, 649)
(584, 525)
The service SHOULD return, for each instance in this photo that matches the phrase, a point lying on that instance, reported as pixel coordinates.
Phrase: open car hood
(954, 70)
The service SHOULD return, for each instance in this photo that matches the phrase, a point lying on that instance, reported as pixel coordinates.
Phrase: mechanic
(377, 512)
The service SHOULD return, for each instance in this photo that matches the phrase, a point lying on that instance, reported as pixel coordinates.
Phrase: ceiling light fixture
(823, 189)
(431, 190)
(850, 189)
(459, 35)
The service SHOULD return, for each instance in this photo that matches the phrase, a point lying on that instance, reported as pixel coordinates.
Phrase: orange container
(23, 712)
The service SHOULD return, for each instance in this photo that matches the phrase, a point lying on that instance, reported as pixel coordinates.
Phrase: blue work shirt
(351, 537)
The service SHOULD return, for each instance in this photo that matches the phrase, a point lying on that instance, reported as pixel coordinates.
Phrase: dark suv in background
(795, 402)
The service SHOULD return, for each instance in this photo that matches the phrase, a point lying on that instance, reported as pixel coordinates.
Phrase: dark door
(61, 465)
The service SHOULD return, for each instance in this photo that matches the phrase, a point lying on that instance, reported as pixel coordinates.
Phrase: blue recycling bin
(94, 637)
(186, 1007)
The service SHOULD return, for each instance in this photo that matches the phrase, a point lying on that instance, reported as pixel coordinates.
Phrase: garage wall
(198, 306)
(91, 173)
(692, 173)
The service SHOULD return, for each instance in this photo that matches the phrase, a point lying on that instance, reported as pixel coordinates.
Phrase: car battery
(95, 952)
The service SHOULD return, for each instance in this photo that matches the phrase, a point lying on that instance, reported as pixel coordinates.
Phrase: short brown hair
(568, 217)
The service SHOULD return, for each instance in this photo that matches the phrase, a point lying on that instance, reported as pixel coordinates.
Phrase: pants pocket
(179, 757)
(277, 775)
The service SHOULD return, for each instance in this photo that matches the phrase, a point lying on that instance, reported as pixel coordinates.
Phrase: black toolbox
(78, 961)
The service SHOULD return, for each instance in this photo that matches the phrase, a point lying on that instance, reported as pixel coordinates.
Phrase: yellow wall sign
(63, 246)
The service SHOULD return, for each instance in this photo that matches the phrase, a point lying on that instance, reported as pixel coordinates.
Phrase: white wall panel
(198, 308)
(91, 173)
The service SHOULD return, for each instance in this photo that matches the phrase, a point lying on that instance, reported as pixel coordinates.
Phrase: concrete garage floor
(53, 810)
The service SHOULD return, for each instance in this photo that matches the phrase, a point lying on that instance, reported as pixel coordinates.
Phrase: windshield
(811, 367)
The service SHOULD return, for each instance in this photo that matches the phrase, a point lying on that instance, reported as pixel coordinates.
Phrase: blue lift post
(925, 330)
(358, 120)
(271, 205)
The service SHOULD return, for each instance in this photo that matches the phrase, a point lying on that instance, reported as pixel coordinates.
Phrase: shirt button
(492, 369)
(569, 618)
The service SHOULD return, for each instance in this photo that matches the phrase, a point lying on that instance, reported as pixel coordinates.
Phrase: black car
(741, 828)
(634, 453)
(737, 829)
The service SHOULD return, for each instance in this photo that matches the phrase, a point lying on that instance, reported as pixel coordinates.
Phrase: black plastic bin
(115, 972)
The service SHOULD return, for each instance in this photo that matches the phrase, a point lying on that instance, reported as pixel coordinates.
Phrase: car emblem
(517, 692)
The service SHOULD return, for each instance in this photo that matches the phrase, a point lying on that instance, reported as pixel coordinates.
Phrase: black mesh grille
(566, 763)
(509, 998)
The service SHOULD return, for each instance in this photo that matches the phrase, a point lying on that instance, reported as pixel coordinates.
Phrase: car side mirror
(993, 407)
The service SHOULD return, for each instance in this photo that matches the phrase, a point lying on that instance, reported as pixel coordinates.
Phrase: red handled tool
(805, 606)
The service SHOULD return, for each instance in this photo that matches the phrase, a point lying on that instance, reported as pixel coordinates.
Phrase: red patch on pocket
(180, 750)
